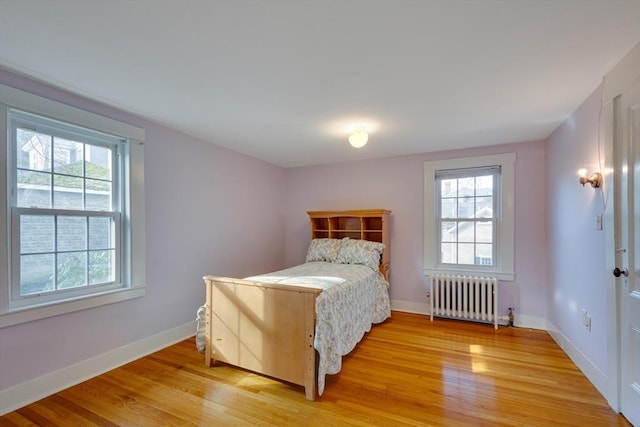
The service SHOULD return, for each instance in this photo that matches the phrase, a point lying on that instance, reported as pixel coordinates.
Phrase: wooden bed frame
(270, 328)
(262, 327)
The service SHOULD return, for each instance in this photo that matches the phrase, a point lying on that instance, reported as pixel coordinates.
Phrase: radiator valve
(511, 316)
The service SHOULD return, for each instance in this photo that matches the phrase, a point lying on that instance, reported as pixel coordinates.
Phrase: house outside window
(73, 192)
(469, 222)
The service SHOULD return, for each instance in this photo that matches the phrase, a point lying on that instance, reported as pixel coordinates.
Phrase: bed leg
(311, 376)
(311, 371)
(310, 392)
(208, 352)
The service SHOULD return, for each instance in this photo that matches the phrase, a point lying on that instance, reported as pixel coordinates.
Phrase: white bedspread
(353, 297)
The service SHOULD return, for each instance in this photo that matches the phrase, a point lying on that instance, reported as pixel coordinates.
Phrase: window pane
(466, 187)
(36, 234)
(33, 150)
(449, 253)
(98, 162)
(466, 207)
(36, 274)
(67, 192)
(466, 231)
(72, 270)
(72, 233)
(34, 189)
(449, 208)
(100, 232)
(484, 232)
(484, 185)
(98, 197)
(466, 253)
(449, 232)
(68, 157)
(101, 267)
(449, 188)
(484, 254)
(484, 207)
(98, 186)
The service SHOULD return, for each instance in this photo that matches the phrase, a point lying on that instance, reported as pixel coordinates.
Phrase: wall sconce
(595, 179)
(358, 138)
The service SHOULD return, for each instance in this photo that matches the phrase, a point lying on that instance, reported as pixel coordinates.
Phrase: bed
(296, 324)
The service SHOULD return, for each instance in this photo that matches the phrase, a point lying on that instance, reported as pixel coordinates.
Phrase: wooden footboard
(263, 327)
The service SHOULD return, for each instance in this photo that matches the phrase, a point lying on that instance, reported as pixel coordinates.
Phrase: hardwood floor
(407, 371)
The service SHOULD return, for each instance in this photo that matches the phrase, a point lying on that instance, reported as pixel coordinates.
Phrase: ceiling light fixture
(358, 138)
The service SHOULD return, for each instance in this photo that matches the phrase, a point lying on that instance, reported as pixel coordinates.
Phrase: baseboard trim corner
(593, 374)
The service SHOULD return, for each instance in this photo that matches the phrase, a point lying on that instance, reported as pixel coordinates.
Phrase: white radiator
(464, 298)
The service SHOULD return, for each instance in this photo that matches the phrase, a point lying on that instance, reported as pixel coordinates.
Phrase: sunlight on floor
(477, 365)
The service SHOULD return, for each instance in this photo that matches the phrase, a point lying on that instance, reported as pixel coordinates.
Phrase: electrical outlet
(586, 320)
(599, 222)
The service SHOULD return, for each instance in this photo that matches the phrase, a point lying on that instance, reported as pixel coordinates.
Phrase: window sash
(20, 119)
(19, 300)
(56, 129)
(461, 173)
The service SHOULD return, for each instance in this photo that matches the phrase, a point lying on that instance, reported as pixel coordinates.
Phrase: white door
(627, 141)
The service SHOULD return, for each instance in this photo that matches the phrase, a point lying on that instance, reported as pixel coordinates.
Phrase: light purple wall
(209, 210)
(577, 273)
(397, 184)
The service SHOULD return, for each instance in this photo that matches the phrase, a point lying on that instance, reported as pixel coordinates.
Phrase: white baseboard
(35, 389)
(593, 374)
(411, 307)
(532, 322)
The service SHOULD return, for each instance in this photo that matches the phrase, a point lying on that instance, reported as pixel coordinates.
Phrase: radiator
(465, 298)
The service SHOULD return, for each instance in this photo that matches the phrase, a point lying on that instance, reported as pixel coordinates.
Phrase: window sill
(28, 314)
(500, 275)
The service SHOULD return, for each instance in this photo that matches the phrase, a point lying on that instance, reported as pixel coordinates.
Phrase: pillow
(361, 252)
(323, 250)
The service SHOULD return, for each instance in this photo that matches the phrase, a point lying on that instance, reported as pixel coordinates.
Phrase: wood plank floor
(407, 371)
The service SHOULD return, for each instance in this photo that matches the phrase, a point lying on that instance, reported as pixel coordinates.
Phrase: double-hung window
(66, 209)
(469, 216)
(466, 211)
(68, 196)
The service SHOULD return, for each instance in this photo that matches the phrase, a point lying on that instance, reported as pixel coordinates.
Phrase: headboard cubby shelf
(371, 224)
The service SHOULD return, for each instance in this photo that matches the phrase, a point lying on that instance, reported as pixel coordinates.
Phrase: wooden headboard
(369, 224)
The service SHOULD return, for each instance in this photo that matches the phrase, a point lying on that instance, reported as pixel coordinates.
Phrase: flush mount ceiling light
(358, 138)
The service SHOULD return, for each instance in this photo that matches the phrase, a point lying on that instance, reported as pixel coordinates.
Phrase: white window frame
(132, 236)
(505, 267)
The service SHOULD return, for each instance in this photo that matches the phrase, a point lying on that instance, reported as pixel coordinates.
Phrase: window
(466, 214)
(65, 209)
(469, 216)
(73, 233)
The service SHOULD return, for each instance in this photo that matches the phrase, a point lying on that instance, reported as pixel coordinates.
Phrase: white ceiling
(283, 80)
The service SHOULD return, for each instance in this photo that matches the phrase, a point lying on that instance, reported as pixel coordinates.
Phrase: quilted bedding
(353, 298)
